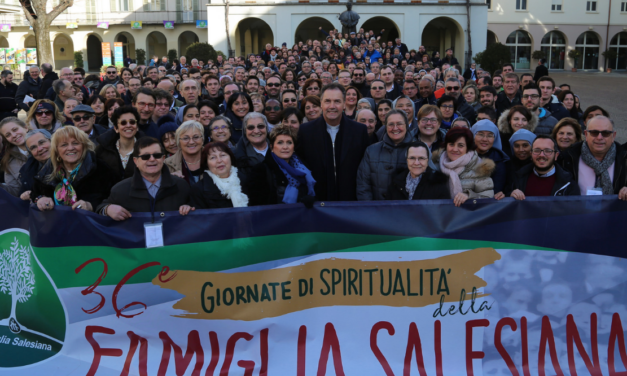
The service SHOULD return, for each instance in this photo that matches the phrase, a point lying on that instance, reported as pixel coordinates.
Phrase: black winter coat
(132, 194)
(108, 153)
(564, 185)
(499, 175)
(503, 103)
(27, 174)
(92, 183)
(27, 87)
(333, 168)
(433, 186)
(7, 100)
(569, 161)
(205, 194)
(98, 130)
(46, 83)
(425, 101)
(268, 183)
(246, 156)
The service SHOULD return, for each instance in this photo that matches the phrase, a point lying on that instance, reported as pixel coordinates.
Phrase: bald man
(65, 74)
(169, 87)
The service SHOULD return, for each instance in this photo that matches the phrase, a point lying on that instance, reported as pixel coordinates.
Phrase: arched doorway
(492, 39)
(4, 43)
(619, 44)
(94, 53)
(185, 40)
(30, 42)
(156, 45)
(128, 44)
(376, 24)
(252, 35)
(588, 46)
(308, 29)
(519, 43)
(441, 34)
(553, 45)
(63, 48)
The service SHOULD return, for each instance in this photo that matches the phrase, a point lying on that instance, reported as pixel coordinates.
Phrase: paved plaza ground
(604, 89)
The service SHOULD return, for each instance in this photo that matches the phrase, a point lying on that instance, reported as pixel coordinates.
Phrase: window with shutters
(521, 4)
(90, 10)
(591, 6)
(154, 5)
(623, 7)
(556, 6)
(121, 5)
(187, 11)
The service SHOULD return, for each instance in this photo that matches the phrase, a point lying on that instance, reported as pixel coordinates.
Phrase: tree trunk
(44, 45)
(469, 60)
(226, 22)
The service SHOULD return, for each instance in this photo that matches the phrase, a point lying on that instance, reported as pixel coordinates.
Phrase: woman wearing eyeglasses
(252, 148)
(73, 176)
(185, 163)
(301, 78)
(419, 181)
(448, 106)
(44, 114)
(311, 86)
(488, 142)
(238, 106)
(115, 148)
(219, 130)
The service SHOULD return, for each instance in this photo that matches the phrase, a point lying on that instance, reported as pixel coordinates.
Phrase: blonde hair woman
(72, 177)
(13, 132)
(109, 91)
(185, 163)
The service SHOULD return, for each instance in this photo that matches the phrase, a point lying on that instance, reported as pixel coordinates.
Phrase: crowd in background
(347, 118)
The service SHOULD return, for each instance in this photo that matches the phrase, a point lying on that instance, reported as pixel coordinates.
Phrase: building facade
(559, 26)
(153, 38)
(436, 24)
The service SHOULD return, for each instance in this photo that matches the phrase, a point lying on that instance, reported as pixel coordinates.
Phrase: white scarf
(231, 188)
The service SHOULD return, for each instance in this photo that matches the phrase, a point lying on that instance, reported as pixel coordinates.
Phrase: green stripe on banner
(230, 254)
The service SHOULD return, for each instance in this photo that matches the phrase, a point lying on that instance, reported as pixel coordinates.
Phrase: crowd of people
(343, 119)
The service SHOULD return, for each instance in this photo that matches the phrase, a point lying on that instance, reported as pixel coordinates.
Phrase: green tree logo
(16, 279)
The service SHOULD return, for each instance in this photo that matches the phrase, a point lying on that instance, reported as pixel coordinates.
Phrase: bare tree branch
(63, 5)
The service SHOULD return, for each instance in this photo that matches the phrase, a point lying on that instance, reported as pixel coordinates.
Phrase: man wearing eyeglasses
(531, 100)
(112, 76)
(358, 77)
(377, 90)
(543, 177)
(289, 98)
(273, 87)
(598, 163)
(151, 188)
(144, 102)
(453, 88)
(163, 103)
(84, 118)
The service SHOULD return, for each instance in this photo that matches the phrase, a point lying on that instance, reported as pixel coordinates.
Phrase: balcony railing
(114, 18)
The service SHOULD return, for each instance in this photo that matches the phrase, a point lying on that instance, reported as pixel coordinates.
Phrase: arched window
(588, 46)
(519, 43)
(619, 44)
(554, 47)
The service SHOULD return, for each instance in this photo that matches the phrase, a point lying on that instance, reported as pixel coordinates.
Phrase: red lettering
(230, 349)
(572, 335)
(546, 335)
(123, 281)
(437, 342)
(470, 355)
(413, 344)
(164, 271)
(248, 366)
(375, 347)
(330, 343)
(143, 354)
(524, 346)
(99, 352)
(499, 345)
(181, 362)
(263, 371)
(616, 332)
(215, 354)
(302, 351)
(90, 289)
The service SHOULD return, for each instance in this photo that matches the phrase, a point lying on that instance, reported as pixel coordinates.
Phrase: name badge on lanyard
(154, 234)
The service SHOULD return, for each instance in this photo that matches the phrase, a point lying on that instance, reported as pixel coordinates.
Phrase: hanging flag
(71, 25)
(106, 53)
(31, 56)
(136, 24)
(201, 24)
(103, 25)
(5, 28)
(168, 24)
(118, 54)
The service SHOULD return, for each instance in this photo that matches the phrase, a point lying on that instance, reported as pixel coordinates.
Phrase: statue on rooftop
(349, 19)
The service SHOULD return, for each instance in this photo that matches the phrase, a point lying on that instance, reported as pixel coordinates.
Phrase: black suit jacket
(336, 178)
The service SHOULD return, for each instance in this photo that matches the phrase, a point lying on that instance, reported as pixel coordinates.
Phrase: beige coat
(475, 179)
(12, 182)
(175, 162)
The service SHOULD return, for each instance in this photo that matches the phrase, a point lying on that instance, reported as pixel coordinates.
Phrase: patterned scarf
(64, 193)
(411, 184)
(600, 168)
(296, 174)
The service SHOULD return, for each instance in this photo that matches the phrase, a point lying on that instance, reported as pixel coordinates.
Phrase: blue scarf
(447, 124)
(296, 174)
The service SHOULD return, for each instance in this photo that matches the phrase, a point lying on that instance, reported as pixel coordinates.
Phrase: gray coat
(546, 123)
(381, 162)
(12, 183)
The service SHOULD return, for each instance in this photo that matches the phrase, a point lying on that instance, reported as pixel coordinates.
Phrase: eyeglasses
(273, 85)
(419, 159)
(488, 136)
(259, 126)
(161, 104)
(429, 120)
(288, 100)
(145, 157)
(595, 134)
(452, 88)
(313, 88)
(447, 106)
(84, 117)
(531, 96)
(358, 74)
(219, 127)
(131, 122)
(195, 138)
(302, 79)
(376, 87)
(275, 108)
(112, 72)
(44, 113)
(546, 152)
(149, 105)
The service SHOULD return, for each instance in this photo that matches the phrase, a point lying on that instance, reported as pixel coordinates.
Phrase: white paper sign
(154, 234)
(594, 192)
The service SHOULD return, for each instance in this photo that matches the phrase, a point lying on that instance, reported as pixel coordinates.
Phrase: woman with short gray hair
(251, 149)
(185, 163)
(38, 146)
